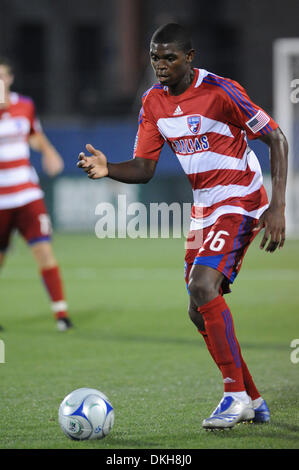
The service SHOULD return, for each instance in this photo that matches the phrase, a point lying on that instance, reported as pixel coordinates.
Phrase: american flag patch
(257, 122)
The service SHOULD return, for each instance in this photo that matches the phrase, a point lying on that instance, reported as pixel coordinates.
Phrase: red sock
(247, 378)
(208, 344)
(53, 283)
(251, 389)
(223, 343)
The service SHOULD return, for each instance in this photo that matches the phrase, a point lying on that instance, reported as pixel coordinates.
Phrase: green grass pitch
(134, 341)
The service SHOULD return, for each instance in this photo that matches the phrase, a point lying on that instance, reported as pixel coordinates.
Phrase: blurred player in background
(22, 206)
(206, 119)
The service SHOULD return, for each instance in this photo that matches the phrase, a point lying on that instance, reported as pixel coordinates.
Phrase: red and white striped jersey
(207, 127)
(19, 182)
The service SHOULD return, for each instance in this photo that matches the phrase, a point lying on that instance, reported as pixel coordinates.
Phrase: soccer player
(22, 206)
(207, 121)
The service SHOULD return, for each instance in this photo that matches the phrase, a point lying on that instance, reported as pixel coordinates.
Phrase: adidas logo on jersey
(178, 111)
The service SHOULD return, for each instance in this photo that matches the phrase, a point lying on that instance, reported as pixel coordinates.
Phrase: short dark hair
(173, 32)
(8, 63)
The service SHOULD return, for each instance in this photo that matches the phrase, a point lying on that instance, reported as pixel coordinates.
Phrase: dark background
(90, 58)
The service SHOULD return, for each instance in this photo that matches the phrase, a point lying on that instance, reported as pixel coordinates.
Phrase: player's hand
(273, 221)
(95, 165)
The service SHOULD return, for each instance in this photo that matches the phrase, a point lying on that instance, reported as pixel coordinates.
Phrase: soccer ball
(86, 413)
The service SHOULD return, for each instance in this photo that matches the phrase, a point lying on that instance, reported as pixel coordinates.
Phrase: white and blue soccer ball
(86, 413)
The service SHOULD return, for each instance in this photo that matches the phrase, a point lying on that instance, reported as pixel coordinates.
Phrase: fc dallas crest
(194, 123)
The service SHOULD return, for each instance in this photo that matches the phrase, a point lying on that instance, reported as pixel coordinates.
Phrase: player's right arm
(141, 168)
(136, 170)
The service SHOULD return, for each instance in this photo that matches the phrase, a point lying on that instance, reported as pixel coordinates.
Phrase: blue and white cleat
(229, 412)
(261, 411)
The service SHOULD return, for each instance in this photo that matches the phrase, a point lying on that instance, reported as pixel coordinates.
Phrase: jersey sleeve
(244, 113)
(149, 141)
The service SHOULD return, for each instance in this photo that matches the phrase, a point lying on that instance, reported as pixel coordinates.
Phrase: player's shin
(250, 386)
(223, 344)
(53, 284)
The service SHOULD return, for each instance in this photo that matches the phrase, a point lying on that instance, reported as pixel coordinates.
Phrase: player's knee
(201, 289)
(196, 317)
(44, 255)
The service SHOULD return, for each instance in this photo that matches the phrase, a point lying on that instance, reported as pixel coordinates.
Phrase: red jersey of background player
(207, 127)
(19, 183)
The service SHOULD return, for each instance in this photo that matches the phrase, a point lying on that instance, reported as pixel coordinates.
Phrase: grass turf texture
(134, 341)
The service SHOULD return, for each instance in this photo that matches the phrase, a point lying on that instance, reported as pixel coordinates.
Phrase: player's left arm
(273, 219)
(52, 161)
(257, 124)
